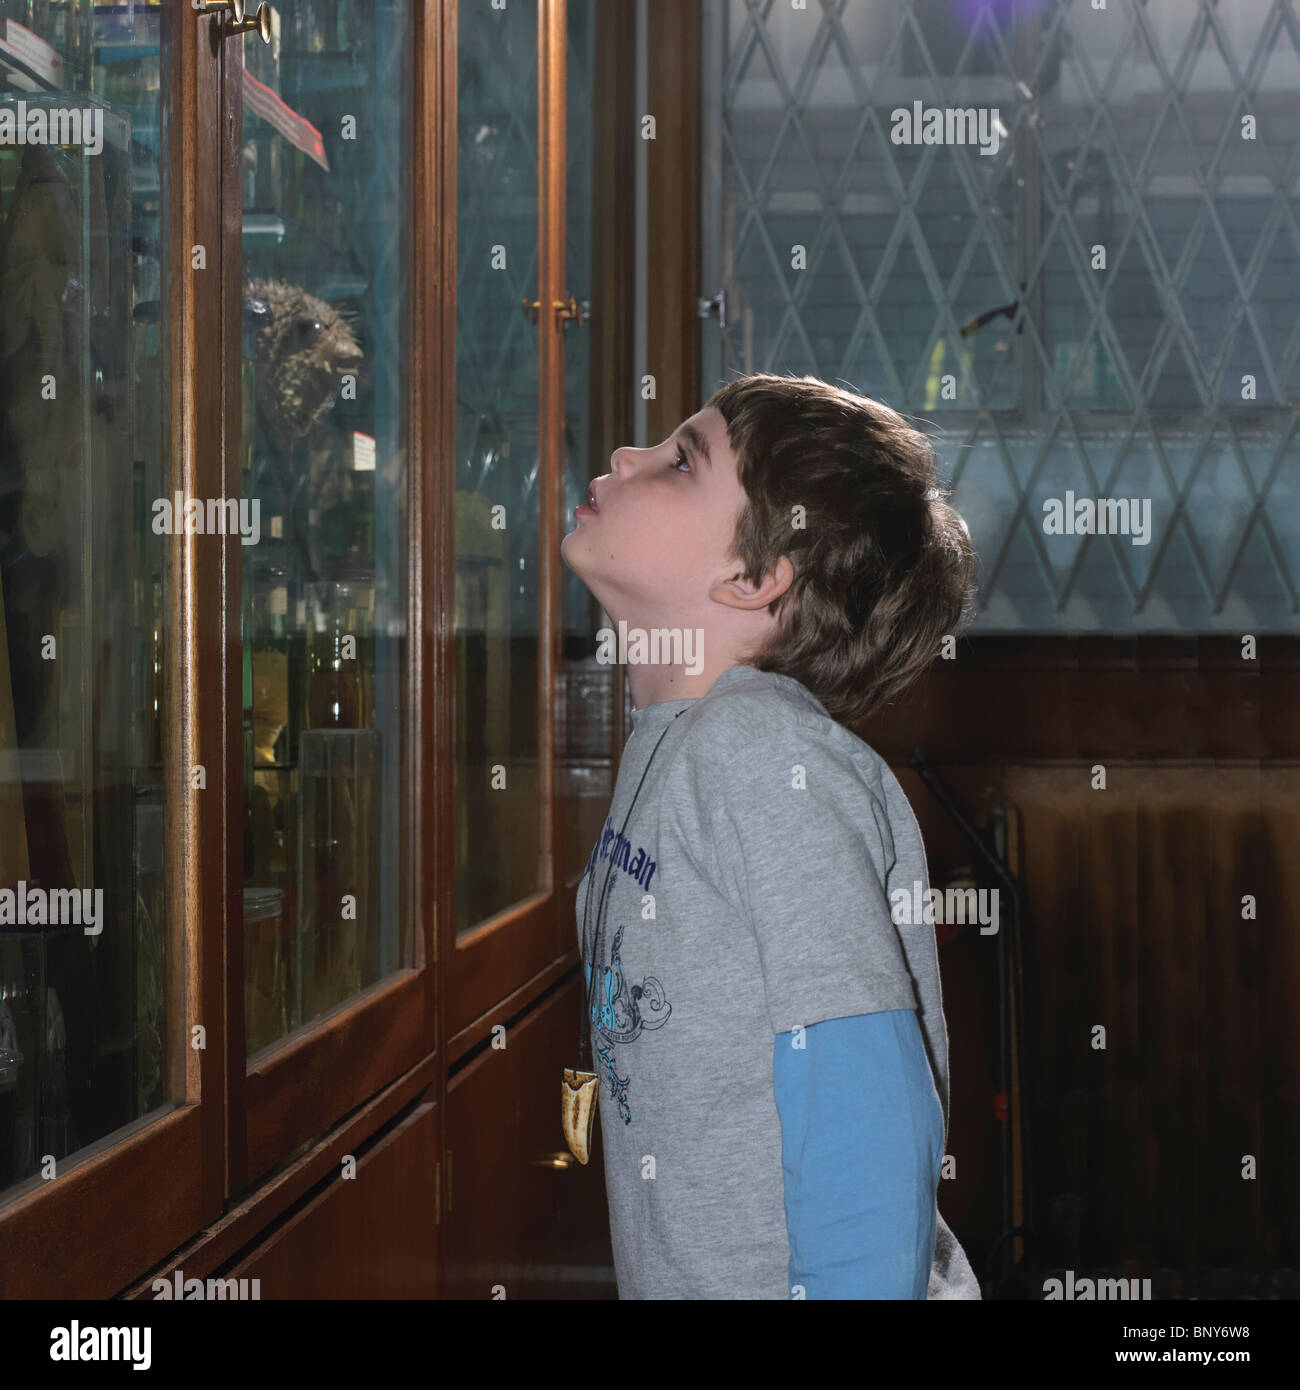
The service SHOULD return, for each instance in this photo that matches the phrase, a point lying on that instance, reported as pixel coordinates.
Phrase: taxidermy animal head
(304, 348)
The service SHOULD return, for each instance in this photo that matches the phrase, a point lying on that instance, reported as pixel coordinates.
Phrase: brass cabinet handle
(566, 310)
(237, 8)
(259, 24)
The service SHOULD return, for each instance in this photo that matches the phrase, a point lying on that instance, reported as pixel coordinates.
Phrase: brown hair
(882, 565)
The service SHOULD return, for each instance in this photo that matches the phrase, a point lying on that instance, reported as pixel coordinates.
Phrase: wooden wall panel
(1275, 879)
(1142, 698)
(1135, 895)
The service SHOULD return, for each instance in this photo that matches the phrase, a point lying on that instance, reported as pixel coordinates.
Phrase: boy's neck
(654, 685)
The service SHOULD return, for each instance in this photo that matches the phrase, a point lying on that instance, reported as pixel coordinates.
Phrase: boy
(770, 1048)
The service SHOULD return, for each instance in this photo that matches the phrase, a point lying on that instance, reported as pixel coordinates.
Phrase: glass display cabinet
(263, 643)
(203, 459)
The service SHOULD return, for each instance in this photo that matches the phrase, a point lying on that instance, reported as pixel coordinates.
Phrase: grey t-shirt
(749, 896)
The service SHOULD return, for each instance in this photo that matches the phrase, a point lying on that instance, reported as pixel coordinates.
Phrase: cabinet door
(531, 707)
(329, 308)
(500, 489)
(110, 1121)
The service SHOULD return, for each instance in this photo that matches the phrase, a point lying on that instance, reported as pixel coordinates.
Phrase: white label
(363, 452)
(33, 53)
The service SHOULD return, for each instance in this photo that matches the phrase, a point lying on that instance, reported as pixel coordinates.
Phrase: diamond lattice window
(1106, 305)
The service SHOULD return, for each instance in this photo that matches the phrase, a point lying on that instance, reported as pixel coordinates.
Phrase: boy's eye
(680, 457)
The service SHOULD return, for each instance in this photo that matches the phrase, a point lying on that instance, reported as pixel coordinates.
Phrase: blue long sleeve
(861, 1146)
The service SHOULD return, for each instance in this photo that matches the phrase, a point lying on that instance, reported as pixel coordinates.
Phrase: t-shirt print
(618, 1011)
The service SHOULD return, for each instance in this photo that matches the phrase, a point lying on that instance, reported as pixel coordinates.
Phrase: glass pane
(326, 161)
(584, 688)
(496, 783)
(83, 389)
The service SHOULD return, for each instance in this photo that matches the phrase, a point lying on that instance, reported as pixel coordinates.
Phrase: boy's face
(657, 546)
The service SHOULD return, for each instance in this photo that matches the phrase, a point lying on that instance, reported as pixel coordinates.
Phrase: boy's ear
(740, 592)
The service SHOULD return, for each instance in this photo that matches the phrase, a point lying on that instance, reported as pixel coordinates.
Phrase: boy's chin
(576, 557)
(567, 551)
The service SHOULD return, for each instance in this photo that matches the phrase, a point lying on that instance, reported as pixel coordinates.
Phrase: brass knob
(237, 8)
(565, 310)
(259, 24)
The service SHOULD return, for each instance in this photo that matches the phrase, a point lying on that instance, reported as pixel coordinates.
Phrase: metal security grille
(1104, 306)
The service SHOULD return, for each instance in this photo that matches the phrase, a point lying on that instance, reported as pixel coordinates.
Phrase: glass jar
(333, 659)
(276, 668)
(338, 865)
(267, 966)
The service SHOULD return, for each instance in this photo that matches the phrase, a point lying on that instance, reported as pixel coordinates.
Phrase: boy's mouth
(590, 505)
